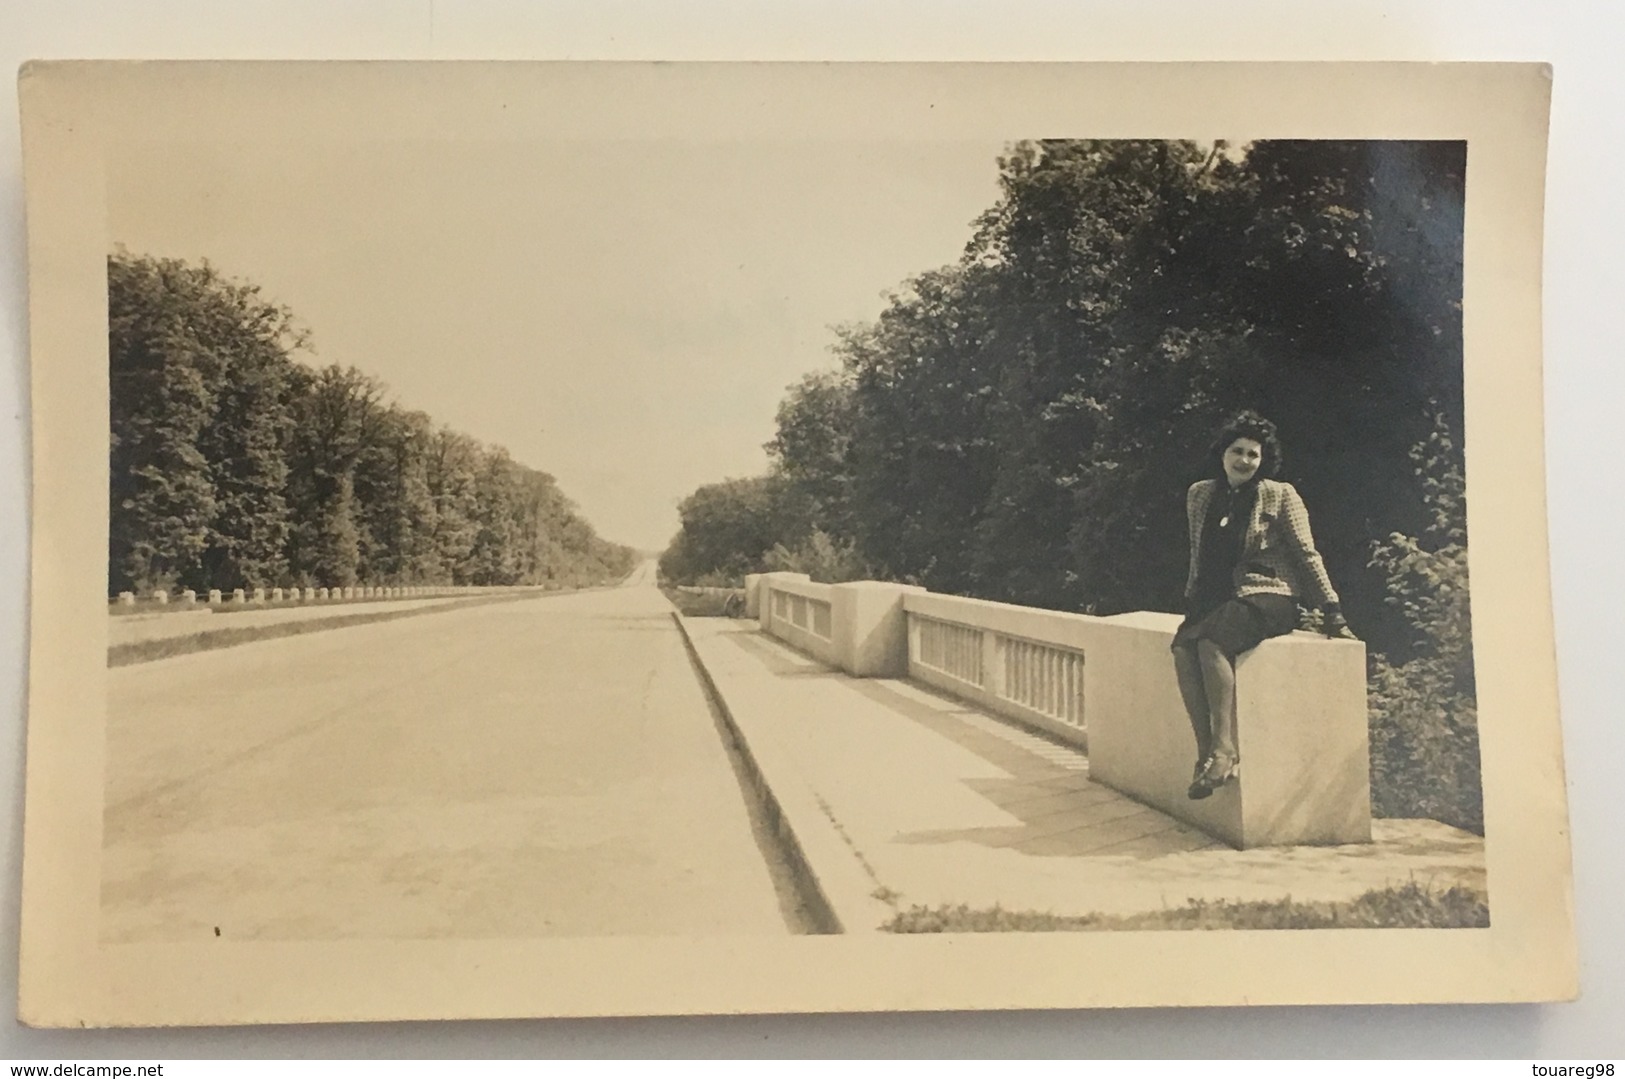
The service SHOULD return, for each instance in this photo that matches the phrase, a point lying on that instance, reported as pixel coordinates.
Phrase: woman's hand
(1334, 625)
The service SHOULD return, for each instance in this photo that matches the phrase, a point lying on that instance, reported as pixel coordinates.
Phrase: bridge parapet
(1108, 686)
(1022, 662)
(797, 611)
(1301, 727)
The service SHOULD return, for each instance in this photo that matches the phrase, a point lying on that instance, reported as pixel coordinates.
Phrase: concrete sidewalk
(897, 797)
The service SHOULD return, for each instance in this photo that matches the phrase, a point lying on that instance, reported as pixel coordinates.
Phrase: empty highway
(540, 767)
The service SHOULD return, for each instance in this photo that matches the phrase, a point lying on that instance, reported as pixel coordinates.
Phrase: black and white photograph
(537, 523)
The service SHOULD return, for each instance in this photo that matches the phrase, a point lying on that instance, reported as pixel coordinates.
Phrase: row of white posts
(189, 598)
(1107, 685)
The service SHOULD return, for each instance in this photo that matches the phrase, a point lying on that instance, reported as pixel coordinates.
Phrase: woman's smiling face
(1241, 460)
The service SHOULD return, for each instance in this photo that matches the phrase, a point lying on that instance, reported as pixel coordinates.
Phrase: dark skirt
(1241, 624)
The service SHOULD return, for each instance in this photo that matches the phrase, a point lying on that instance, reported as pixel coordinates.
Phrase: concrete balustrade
(798, 612)
(1108, 685)
(216, 597)
(1021, 662)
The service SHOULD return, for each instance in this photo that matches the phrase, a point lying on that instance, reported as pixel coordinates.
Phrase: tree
(727, 528)
(340, 418)
(811, 452)
(922, 455)
(232, 464)
(453, 460)
(393, 505)
(1424, 715)
(198, 389)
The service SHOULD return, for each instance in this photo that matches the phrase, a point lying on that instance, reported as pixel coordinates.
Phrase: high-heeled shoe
(1198, 789)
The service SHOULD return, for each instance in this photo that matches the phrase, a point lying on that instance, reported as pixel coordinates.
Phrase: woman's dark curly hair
(1251, 425)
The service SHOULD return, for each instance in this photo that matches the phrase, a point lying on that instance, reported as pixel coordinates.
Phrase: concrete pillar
(259, 595)
(869, 628)
(126, 599)
(276, 595)
(214, 595)
(308, 596)
(239, 596)
(321, 593)
(189, 597)
(160, 597)
(753, 595)
(1301, 727)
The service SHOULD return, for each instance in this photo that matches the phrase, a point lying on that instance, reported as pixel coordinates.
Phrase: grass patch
(1407, 906)
(123, 655)
(713, 604)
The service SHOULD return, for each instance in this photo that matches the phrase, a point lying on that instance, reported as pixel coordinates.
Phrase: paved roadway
(534, 768)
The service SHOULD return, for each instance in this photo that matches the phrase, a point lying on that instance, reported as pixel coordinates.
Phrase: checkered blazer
(1278, 555)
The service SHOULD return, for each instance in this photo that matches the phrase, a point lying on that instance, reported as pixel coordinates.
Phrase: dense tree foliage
(1022, 425)
(1424, 711)
(727, 530)
(234, 465)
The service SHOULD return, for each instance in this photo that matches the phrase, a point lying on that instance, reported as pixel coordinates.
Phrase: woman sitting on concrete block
(1252, 562)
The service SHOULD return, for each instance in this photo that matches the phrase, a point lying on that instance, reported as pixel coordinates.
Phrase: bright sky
(623, 315)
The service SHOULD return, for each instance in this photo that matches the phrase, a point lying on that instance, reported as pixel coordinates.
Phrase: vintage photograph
(488, 723)
(561, 535)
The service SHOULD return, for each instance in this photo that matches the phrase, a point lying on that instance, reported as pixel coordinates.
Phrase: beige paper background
(76, 116)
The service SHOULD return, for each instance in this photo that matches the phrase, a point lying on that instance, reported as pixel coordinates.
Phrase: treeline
(235, 465)
(1022, 425)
